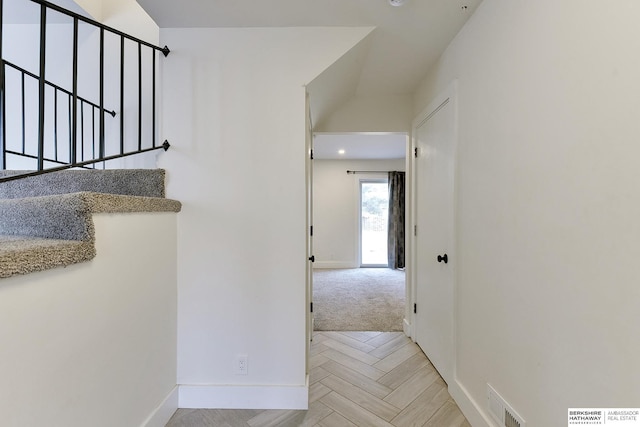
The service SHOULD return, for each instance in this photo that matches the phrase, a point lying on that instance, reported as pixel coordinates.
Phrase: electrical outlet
(242, 364)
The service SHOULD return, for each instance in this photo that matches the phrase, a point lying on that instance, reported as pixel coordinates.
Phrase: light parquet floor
(362, 379)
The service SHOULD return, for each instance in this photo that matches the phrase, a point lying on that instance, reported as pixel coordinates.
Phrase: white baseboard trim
(406, 328)
(474, 413)
(244, 396)
(334, 264)
(163, 413)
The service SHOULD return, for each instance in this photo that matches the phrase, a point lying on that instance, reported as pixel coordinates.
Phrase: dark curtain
(395, 242)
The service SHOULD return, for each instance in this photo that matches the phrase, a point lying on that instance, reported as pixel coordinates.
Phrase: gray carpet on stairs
(23, 255)
(61, 217)
(68, 216)
(131, 182)
(41, 229)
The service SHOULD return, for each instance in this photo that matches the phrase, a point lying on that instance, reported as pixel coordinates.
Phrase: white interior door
(434, 217)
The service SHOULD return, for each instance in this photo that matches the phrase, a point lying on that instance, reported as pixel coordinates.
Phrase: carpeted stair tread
(68, 216)
(62, 217)
(38, 233)
(114, 203)
(25, 254)
(131, 182)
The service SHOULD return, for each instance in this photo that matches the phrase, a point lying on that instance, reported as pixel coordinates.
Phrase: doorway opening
(350, 199)
(374, 218)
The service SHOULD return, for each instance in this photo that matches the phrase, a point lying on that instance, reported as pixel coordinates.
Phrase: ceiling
(392, 60)
(327, 146)
(406, 42)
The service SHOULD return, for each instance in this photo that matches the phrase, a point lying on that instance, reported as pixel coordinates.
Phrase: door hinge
(311, 230)
(415, 308)
(415, 152)
(311, 155)
(311, 307)
(415, 230)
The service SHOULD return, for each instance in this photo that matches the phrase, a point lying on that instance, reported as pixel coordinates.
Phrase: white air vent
(501, 411)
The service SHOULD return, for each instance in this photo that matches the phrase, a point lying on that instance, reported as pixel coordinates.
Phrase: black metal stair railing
(84, 103)
(81, 113)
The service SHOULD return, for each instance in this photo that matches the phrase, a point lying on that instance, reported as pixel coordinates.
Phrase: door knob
(312, 258)
(444, 258)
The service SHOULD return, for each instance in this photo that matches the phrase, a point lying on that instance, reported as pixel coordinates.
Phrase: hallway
(357, 379)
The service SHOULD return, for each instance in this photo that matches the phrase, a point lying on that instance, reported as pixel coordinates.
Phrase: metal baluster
(101, 94)
(70, 131)
(43, 43)
(55, 124)
(23, 118)
(74, 130)
(139, 96)
(122, 95)
(153, 100)
(3, 116)
(82, 131)
(93, 133)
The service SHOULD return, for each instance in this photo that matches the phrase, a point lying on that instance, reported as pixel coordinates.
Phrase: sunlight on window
(374, 197)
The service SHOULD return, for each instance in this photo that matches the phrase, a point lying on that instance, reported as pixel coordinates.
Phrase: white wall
(336, 198)
(547, 204)
(234, 110)
(91, 7)
(95, 343)
(363, 113)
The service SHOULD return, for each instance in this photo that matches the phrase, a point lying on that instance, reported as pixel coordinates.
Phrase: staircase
(62, 136)
(88, 250)
(46, 221)
(100, 323)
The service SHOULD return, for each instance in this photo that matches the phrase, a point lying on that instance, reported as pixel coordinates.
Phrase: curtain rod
(355, 172)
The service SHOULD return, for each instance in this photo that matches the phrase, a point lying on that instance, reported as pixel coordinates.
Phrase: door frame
(450, 93)
(407, 320)
(309, 319)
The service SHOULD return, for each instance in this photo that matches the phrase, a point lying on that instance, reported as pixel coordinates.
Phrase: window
(374, 212)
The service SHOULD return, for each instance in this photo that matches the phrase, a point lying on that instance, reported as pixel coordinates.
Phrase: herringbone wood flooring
(357, 379)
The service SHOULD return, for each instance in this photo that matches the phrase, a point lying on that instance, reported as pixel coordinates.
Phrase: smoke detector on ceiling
(396, 2)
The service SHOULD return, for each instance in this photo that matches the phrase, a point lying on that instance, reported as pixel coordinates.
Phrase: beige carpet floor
(359, 299)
